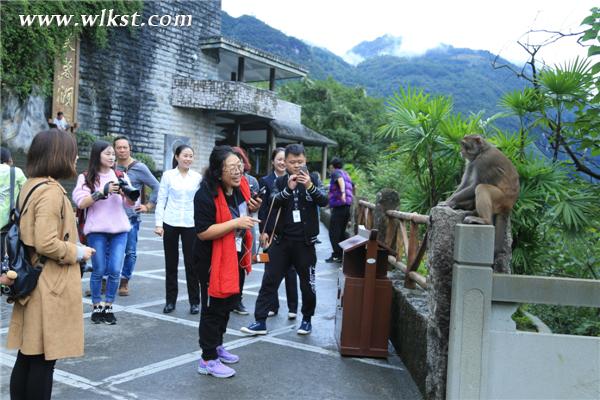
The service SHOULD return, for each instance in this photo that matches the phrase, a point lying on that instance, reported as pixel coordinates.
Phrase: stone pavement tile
(271, 371)
(134, 342)
(142, 290)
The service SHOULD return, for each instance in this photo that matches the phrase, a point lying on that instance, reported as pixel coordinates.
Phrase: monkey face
(471, 146)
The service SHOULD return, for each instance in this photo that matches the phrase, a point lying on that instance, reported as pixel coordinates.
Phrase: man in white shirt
(60, 121)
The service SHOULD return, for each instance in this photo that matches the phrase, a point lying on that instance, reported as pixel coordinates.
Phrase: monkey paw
(475, 220)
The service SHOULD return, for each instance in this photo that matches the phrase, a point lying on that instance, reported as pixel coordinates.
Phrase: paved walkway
(151, 355)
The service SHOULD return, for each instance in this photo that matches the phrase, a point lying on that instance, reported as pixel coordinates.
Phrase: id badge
(238, 244)
(296, 216)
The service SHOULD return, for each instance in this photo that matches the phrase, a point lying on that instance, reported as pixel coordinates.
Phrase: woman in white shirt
(174, 217)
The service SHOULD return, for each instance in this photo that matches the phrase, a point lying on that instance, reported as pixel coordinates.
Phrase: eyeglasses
(234, 169)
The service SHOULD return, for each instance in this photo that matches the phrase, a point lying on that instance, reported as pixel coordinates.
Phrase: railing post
(387, 199)
(470, 312)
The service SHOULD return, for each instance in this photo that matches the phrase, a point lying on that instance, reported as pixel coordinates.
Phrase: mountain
(465, 74)
(383, 45)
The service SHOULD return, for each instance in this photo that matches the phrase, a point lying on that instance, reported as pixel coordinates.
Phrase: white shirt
(175, 203)
(61, 123)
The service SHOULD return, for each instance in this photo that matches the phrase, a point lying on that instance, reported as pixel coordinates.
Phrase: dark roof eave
(221, 42)
(300, 133)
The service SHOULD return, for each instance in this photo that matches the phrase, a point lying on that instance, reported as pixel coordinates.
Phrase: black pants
(171, 245)
(337, 228)
(283, 255)
(242, 281)
(214, 318)
(31, 378)
(291, 290)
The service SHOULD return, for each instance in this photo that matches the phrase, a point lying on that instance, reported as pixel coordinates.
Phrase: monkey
(489, 185)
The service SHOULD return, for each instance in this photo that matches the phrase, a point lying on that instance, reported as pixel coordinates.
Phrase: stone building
(162, 86)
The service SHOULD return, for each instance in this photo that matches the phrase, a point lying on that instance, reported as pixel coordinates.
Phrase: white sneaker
(291, 315)
(271, 314)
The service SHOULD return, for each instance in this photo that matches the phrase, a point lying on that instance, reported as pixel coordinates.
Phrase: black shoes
(108, 316)
(169, 308)
(194, 309)
(240, 309)
(333, 259)
(97, 316)
(103, 314)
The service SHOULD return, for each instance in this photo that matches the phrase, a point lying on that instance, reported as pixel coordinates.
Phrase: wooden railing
(403, 239)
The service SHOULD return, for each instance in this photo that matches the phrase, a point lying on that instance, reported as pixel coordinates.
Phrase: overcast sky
(338, 25)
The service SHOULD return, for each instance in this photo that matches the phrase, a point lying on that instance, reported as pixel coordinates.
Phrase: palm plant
(416, 123)
(550, 200)
(522, 103)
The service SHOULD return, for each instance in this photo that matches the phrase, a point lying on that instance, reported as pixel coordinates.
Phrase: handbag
(263, 256)
(18, 256)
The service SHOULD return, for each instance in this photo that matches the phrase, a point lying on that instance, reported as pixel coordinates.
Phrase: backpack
(81, 213)
(18, 259)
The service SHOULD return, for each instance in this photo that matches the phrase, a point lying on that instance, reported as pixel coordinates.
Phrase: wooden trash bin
(364, 298)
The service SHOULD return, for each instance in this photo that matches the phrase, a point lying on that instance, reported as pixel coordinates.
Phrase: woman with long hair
(223, 248)
(48, 324)
(106, 226)
(174, 217)
(267, 221)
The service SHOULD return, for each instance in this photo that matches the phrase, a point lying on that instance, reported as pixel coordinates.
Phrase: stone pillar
(503, 259)
(471, 308)
(440, 256)
(387, 199)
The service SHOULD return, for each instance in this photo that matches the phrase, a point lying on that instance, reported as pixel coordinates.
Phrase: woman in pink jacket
(106, 226)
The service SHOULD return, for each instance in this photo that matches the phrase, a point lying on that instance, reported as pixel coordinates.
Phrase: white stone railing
(487, 357)
(232, 96)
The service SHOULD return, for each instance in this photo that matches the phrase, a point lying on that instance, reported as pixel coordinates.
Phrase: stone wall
(126, 87)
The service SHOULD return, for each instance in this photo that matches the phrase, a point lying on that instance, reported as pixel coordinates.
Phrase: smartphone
(261, 193)
(304, 168)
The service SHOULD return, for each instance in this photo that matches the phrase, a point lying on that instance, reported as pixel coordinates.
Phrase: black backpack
(18, 259)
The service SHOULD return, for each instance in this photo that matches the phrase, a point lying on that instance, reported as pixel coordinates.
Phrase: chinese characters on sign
(66, 81)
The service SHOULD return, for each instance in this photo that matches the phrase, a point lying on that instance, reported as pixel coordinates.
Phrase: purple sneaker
(215, 368)
(226, 357)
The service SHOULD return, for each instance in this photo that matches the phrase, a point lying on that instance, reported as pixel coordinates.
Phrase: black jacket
(268, 182)
(308, 200)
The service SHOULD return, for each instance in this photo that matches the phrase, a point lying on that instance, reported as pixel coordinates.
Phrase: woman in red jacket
(223, 250)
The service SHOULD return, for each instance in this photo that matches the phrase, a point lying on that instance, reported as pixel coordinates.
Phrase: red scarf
(224, 273)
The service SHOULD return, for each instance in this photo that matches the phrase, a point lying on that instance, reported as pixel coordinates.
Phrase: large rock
(21, 121)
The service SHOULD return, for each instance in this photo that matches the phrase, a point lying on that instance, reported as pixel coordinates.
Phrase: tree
(28, 53)
(344, 114)
(564, 100)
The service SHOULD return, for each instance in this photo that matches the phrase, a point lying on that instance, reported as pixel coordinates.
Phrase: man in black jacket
(298, 194)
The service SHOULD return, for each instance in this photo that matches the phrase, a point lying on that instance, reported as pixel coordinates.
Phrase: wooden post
(324, 163)
(271, 145)
(236, 134)
(368, 299)
(272, 79)
(387, 199)
(240, 71)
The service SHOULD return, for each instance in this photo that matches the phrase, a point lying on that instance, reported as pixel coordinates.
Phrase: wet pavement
(151, 355)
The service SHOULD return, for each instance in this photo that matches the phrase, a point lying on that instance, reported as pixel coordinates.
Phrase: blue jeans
(107, 261)
(131, 248)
